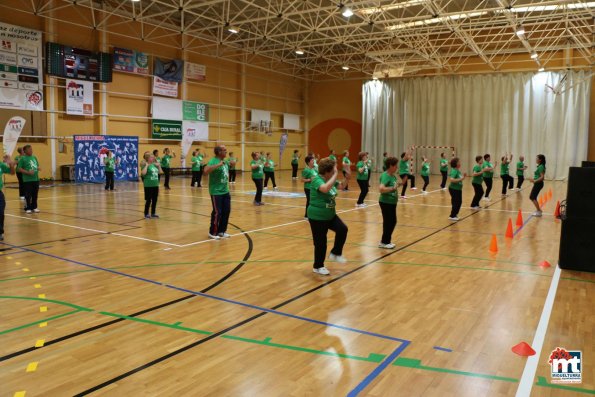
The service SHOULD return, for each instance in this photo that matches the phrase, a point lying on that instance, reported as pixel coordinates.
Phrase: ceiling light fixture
(233, 29)
(520, 31)
(534, 55)
(347, 12)
(299, 52)
(541, 69)
(345, 67)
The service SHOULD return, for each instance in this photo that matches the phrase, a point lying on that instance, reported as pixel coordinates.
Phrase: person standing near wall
(19, 175)
(456, 188)
(307, 175)
(404, 171)
(388, 202)
(218, 172)
(295, 161)
(384, 160)
(537, 182)
(165, 165)
(110, 164)
(520, 172)
(6, 167)
(150, 173)
(476, 182)
(232, 168)
(269, 171)
(425, 173)
(195, 169)
(488, 175)
(507, 180)
(257, 174)
(362, 178)
(443, 170)
(346, 169)
(29, 167)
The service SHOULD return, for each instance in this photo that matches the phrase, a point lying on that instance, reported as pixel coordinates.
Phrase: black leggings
(151, 194)
(488, 182)
(537, 186)
(166, 173)
(271, 175)
(319, 232)
(507, 181)
(456, 200)
(363, 187)
(478, 194)
(21, 187)
(294, 169)
(109, 180)
(521, 179)
(232, 175)
(31, 190)
(444, 176)
(195, 178)
(258, 184)
(307, 192)
(426, 182)
(389, 221)
(404, 180)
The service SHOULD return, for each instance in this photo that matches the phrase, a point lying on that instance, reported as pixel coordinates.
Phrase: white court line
(93, 230)
(526, 382)
(98, 193)
(238, 201)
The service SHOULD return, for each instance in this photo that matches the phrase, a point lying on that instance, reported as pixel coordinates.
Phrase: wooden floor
(97, 300)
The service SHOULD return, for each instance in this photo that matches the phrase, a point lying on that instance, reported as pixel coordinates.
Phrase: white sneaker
(36, 211)
(22, 197)
(487, 199)
(389, 246)
(275, 188)
(28, 211)
(453, 218)
(424, 192)
(538, 214)
(337, 258)
(476, 208)
(214, 237)
(403, 197)
(321, 270)
(443, 188)
(266, 188)
(413, 188)
(224, 235)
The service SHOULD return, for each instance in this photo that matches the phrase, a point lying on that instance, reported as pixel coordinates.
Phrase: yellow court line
(42, 296)
(41, 325)
(43, 309)
(40, 343)
(20, 393)
(32, 367)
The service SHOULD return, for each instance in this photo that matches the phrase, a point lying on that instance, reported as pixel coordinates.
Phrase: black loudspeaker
(577, 245)
(580, 198)
(588, 164)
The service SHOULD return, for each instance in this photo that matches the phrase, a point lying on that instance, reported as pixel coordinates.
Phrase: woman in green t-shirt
(537, 182)
(404, 171)
(488, 174)
(195, 160)
(232, 168)
(507, 180)
(269, 171)
(388, 202)
(520, 172)
(257, 174)
(425, 173)
(332, 155)
(384, 158)
(110, 164)
(166, 164)
(150, 172)
(346, 169)
(369, 164)
(443, 170)
(477, 181)
(307, 175)
(362, 178)
(322, 216)
(295, 161)
(456, 188)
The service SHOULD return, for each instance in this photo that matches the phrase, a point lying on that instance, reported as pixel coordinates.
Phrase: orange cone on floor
(523, 349)
(509, 233)
(544, 264)
(494, 244)
(519, 218)
(549, 194)
(557, 211)
(540, 201)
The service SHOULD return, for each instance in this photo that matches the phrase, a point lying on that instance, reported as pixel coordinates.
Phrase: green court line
(158, 323)
(79, 308)
(541, 381)
(45, 320)
(416, 364)
(577, 279)
(487, 269)
(470, 257)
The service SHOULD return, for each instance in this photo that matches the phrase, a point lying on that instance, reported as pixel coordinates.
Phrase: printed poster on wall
(131, 61)
(195, 71)
(195, 111)
(21, 74)
(166, 129)
(89, 151)
(193, 131)
(165, 88)
(79, 97)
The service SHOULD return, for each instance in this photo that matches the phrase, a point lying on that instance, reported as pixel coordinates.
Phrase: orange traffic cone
(540, 201)
(557, 211)
(544, 264)
(549, 194)
(509, 233)
(519, 218)
(494, 244)
(523, 349)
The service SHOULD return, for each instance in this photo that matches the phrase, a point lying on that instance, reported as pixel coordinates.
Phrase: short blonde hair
(326, 165)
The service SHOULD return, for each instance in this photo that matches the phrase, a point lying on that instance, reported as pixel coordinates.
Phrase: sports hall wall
(128, 98)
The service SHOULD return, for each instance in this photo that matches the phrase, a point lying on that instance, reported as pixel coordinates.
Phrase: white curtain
(520, 113)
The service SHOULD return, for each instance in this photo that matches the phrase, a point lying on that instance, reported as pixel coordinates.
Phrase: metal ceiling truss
(421, 36)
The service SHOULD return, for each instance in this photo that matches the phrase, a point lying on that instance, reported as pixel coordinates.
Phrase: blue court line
(218, 298)
(444, 349)
(374, 374)
(12, 253)
(523, 225)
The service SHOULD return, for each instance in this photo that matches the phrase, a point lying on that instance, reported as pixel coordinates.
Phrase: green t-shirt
(362, 176)
(388, 181)
(384, 165)
(488, 174)
(520, 171)
(540, 170)
(29, 163)
(425, 169)
(109, 163)
(455, 173)
(232, 163)
(504, 167)
(315, 166)
(308, 173)
(332, 157)
(218, 178)
(443, 165)
(322, 205)
(151, 178)
(165, 160)
(478, 180)
(403, 167)
(257, 172)
(271, 167)
(196, 163)
(346, 161)
(295, 158)
(4, 169)
(16, 160)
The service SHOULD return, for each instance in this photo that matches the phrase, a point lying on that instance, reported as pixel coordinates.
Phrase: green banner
(195, 111)
(8, 68)
(167, 129)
